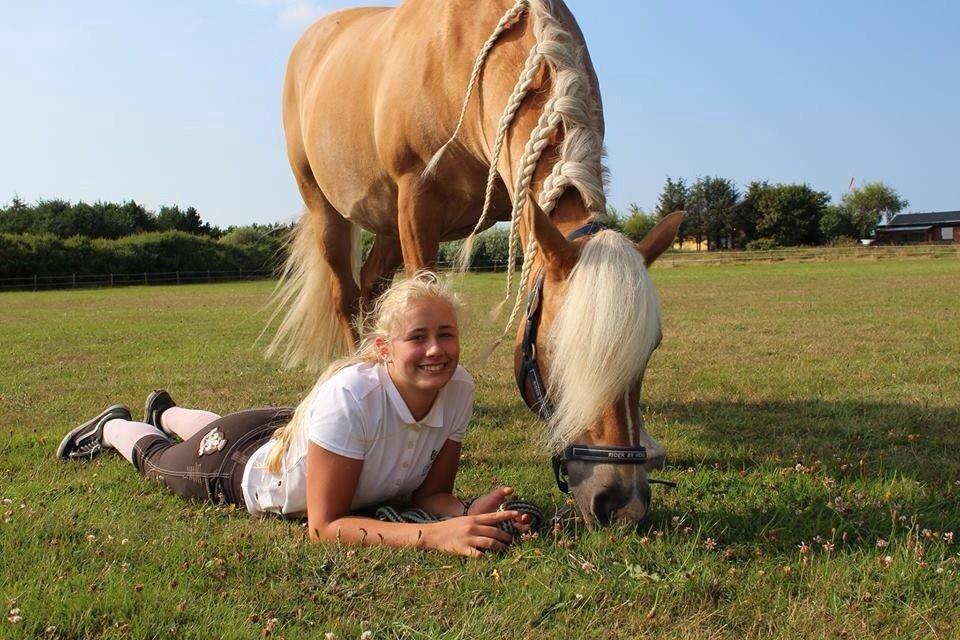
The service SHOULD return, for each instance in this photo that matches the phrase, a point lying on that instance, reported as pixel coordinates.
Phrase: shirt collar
(434, 417)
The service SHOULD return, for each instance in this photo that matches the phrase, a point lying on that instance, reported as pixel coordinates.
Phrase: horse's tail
(311, 332)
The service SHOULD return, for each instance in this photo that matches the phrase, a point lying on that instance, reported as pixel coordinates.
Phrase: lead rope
(419, 516)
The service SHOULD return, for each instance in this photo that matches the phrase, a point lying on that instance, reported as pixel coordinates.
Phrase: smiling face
(423, 351)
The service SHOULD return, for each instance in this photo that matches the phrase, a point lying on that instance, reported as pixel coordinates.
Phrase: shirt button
(406, 465)
(410, 445)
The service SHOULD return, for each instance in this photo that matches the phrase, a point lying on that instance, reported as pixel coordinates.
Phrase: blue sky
(178, 101)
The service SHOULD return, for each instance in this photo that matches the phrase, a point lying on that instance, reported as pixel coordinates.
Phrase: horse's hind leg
(378, 269)
(318, 286)
(338, 241)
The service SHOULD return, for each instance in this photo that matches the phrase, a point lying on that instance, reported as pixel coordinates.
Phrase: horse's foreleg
(378, 269)
(419, 216)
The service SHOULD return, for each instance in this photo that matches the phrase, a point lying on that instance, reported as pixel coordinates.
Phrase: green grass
(800, 403)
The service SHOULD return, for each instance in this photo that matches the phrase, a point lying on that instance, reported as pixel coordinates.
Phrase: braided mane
(571, 105)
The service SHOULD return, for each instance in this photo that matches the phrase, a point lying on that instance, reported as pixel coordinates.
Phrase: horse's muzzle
(607, 493)
(613, 505)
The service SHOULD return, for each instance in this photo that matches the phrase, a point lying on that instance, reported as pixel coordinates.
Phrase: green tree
(710, 208)
(133, 218)
(790, 214)
(674, 198)
(746, 215)
(837, 222)
(870, 204)
(172, 218)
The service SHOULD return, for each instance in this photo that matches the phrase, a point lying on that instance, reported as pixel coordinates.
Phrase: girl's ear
(383, 349)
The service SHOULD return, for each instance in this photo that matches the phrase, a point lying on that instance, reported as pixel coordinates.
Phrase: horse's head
(593, 321)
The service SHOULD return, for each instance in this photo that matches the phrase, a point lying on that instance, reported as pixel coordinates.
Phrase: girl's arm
(331, 483)
(435, 494)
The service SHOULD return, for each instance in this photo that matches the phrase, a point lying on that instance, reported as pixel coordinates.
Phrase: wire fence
(809, 254)
(92, 281)
(86, 281)
(670, 259)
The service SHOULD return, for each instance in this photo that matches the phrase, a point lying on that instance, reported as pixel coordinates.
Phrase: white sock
(186, 422)
(123, 434)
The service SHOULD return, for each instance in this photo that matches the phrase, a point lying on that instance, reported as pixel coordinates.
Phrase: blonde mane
(603, 337)
(572, 106)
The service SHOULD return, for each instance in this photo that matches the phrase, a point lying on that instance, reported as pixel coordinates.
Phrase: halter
(540, 404)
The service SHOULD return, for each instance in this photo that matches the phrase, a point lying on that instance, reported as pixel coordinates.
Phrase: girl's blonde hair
(382, 322)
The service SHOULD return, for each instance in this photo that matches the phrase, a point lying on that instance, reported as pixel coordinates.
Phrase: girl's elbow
(323, 532)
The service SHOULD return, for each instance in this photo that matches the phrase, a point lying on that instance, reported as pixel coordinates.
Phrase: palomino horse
(371, 98)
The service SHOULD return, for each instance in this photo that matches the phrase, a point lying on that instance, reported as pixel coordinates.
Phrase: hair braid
(513, 104)
(505, 23)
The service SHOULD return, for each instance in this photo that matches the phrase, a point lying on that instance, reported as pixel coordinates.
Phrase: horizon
(179, 104)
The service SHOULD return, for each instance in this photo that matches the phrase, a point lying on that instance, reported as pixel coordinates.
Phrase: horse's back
(371, 93)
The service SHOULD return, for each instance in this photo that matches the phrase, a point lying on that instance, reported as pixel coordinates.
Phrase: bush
(843, 241)
(24, 255)
(762, 244)
(260, 246)
(490, 250)
(638, 225)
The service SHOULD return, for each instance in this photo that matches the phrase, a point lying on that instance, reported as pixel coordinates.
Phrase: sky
(177, 102)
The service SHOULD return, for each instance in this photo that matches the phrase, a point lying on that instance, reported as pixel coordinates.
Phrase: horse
(431, 121)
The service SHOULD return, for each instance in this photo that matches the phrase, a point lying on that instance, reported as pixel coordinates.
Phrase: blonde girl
(383, 425)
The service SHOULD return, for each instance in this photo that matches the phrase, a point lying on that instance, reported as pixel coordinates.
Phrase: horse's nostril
(606, 503)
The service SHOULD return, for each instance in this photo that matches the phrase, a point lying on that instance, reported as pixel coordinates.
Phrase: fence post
(111, 279)
(208, 276)
(178, 276)
(74, 281)
(34, 282)
(241, 274)
(145, 277)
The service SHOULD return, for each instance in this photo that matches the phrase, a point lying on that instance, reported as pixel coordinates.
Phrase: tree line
(112, 220)
(57, 237)
(765, 215)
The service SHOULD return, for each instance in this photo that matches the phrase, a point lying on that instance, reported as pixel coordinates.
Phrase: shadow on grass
(909, 440)
(778, 525)
(867, 470)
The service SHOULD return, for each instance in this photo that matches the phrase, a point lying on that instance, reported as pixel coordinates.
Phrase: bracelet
(466, 505)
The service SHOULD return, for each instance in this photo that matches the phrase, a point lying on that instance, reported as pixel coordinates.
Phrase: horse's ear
(559, 254)
(661, 237)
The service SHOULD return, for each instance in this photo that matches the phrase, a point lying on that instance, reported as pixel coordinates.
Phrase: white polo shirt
(359, 413)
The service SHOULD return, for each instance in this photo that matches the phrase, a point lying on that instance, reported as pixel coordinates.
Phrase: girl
(384, 424)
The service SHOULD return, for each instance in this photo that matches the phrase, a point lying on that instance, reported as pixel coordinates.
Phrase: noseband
(540, 404)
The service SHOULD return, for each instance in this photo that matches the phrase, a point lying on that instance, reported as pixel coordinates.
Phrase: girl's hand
(470, 535)
(491, 502)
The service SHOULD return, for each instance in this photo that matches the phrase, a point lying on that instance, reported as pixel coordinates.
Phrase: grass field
(811, 414)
